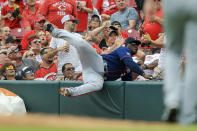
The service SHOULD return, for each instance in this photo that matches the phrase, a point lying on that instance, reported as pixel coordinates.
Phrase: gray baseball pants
(180, 22)
(92, 63)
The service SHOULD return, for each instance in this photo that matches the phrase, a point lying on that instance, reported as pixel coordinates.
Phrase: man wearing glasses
(69, 72)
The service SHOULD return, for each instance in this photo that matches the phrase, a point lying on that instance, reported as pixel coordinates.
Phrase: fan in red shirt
(11, 14)
(48, 69)
(83, 8)
(106, 8)
(54, 10)
(30, 13)
(153, 20)
(38, 25)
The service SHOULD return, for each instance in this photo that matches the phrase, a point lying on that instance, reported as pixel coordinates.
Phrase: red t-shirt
(106, 6)
(12, 23)
(83, 16)
(28, 18)
(55, 10)
(153, 29)
(47, 73)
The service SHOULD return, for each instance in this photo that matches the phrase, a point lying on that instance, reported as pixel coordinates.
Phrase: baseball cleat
(65, 92)
(170, 115)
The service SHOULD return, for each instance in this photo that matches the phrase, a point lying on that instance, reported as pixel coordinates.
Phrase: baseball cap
(131, 40)
(10, 39)
(69, 17)
(97, 16)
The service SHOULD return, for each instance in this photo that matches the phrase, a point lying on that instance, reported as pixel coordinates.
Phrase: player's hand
(64, 48)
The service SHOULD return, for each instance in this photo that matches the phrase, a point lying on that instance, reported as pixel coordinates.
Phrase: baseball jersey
(120, 62)
(106, 6)
(83, 16)
(55, 10)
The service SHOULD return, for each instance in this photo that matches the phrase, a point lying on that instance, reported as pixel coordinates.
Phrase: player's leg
(189, 103)
(92, 65)
(174, 48)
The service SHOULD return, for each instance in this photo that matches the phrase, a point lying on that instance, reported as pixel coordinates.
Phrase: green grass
(138, 127)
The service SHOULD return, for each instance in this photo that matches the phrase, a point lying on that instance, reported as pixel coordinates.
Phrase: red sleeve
(74, 9)
(89, 4)
(98, 6)
(3, 10)
(44, 7)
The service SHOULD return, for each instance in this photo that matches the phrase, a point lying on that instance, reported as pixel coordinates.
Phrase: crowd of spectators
(28, 52)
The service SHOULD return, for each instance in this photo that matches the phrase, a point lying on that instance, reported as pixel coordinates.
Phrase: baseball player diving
(119, 63)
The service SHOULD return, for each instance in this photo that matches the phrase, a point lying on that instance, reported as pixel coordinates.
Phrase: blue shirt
(118, 63)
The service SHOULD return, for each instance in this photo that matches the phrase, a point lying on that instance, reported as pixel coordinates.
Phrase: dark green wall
(122, 100)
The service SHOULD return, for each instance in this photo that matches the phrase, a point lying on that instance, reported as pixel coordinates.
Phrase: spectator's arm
(88, 10)
(158, 20)
(132, 24)
(156, 43)
(128, 61)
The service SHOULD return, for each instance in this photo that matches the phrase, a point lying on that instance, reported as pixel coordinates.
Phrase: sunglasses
(29, 71)
(95, 19)
(35, 41)
(70, 69)
(31, 55)
(4, 52)
(10, 67)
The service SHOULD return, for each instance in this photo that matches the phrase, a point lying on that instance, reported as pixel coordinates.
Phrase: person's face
(95, 22)
(45, 57)
(31, 2)
(72, 25)
(149, 7)
(6, 32)
(14, 43)
(35, 44)
(31, 55)
(69, 71)
(42, 36)
(9, 71)
(15, 55)
(133, 48)
(29, 75)
(3, 56)
(121, 4)
(111, 39)
(39, 25)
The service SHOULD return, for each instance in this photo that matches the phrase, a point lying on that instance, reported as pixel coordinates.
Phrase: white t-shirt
(66, 57)
(161, 63)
